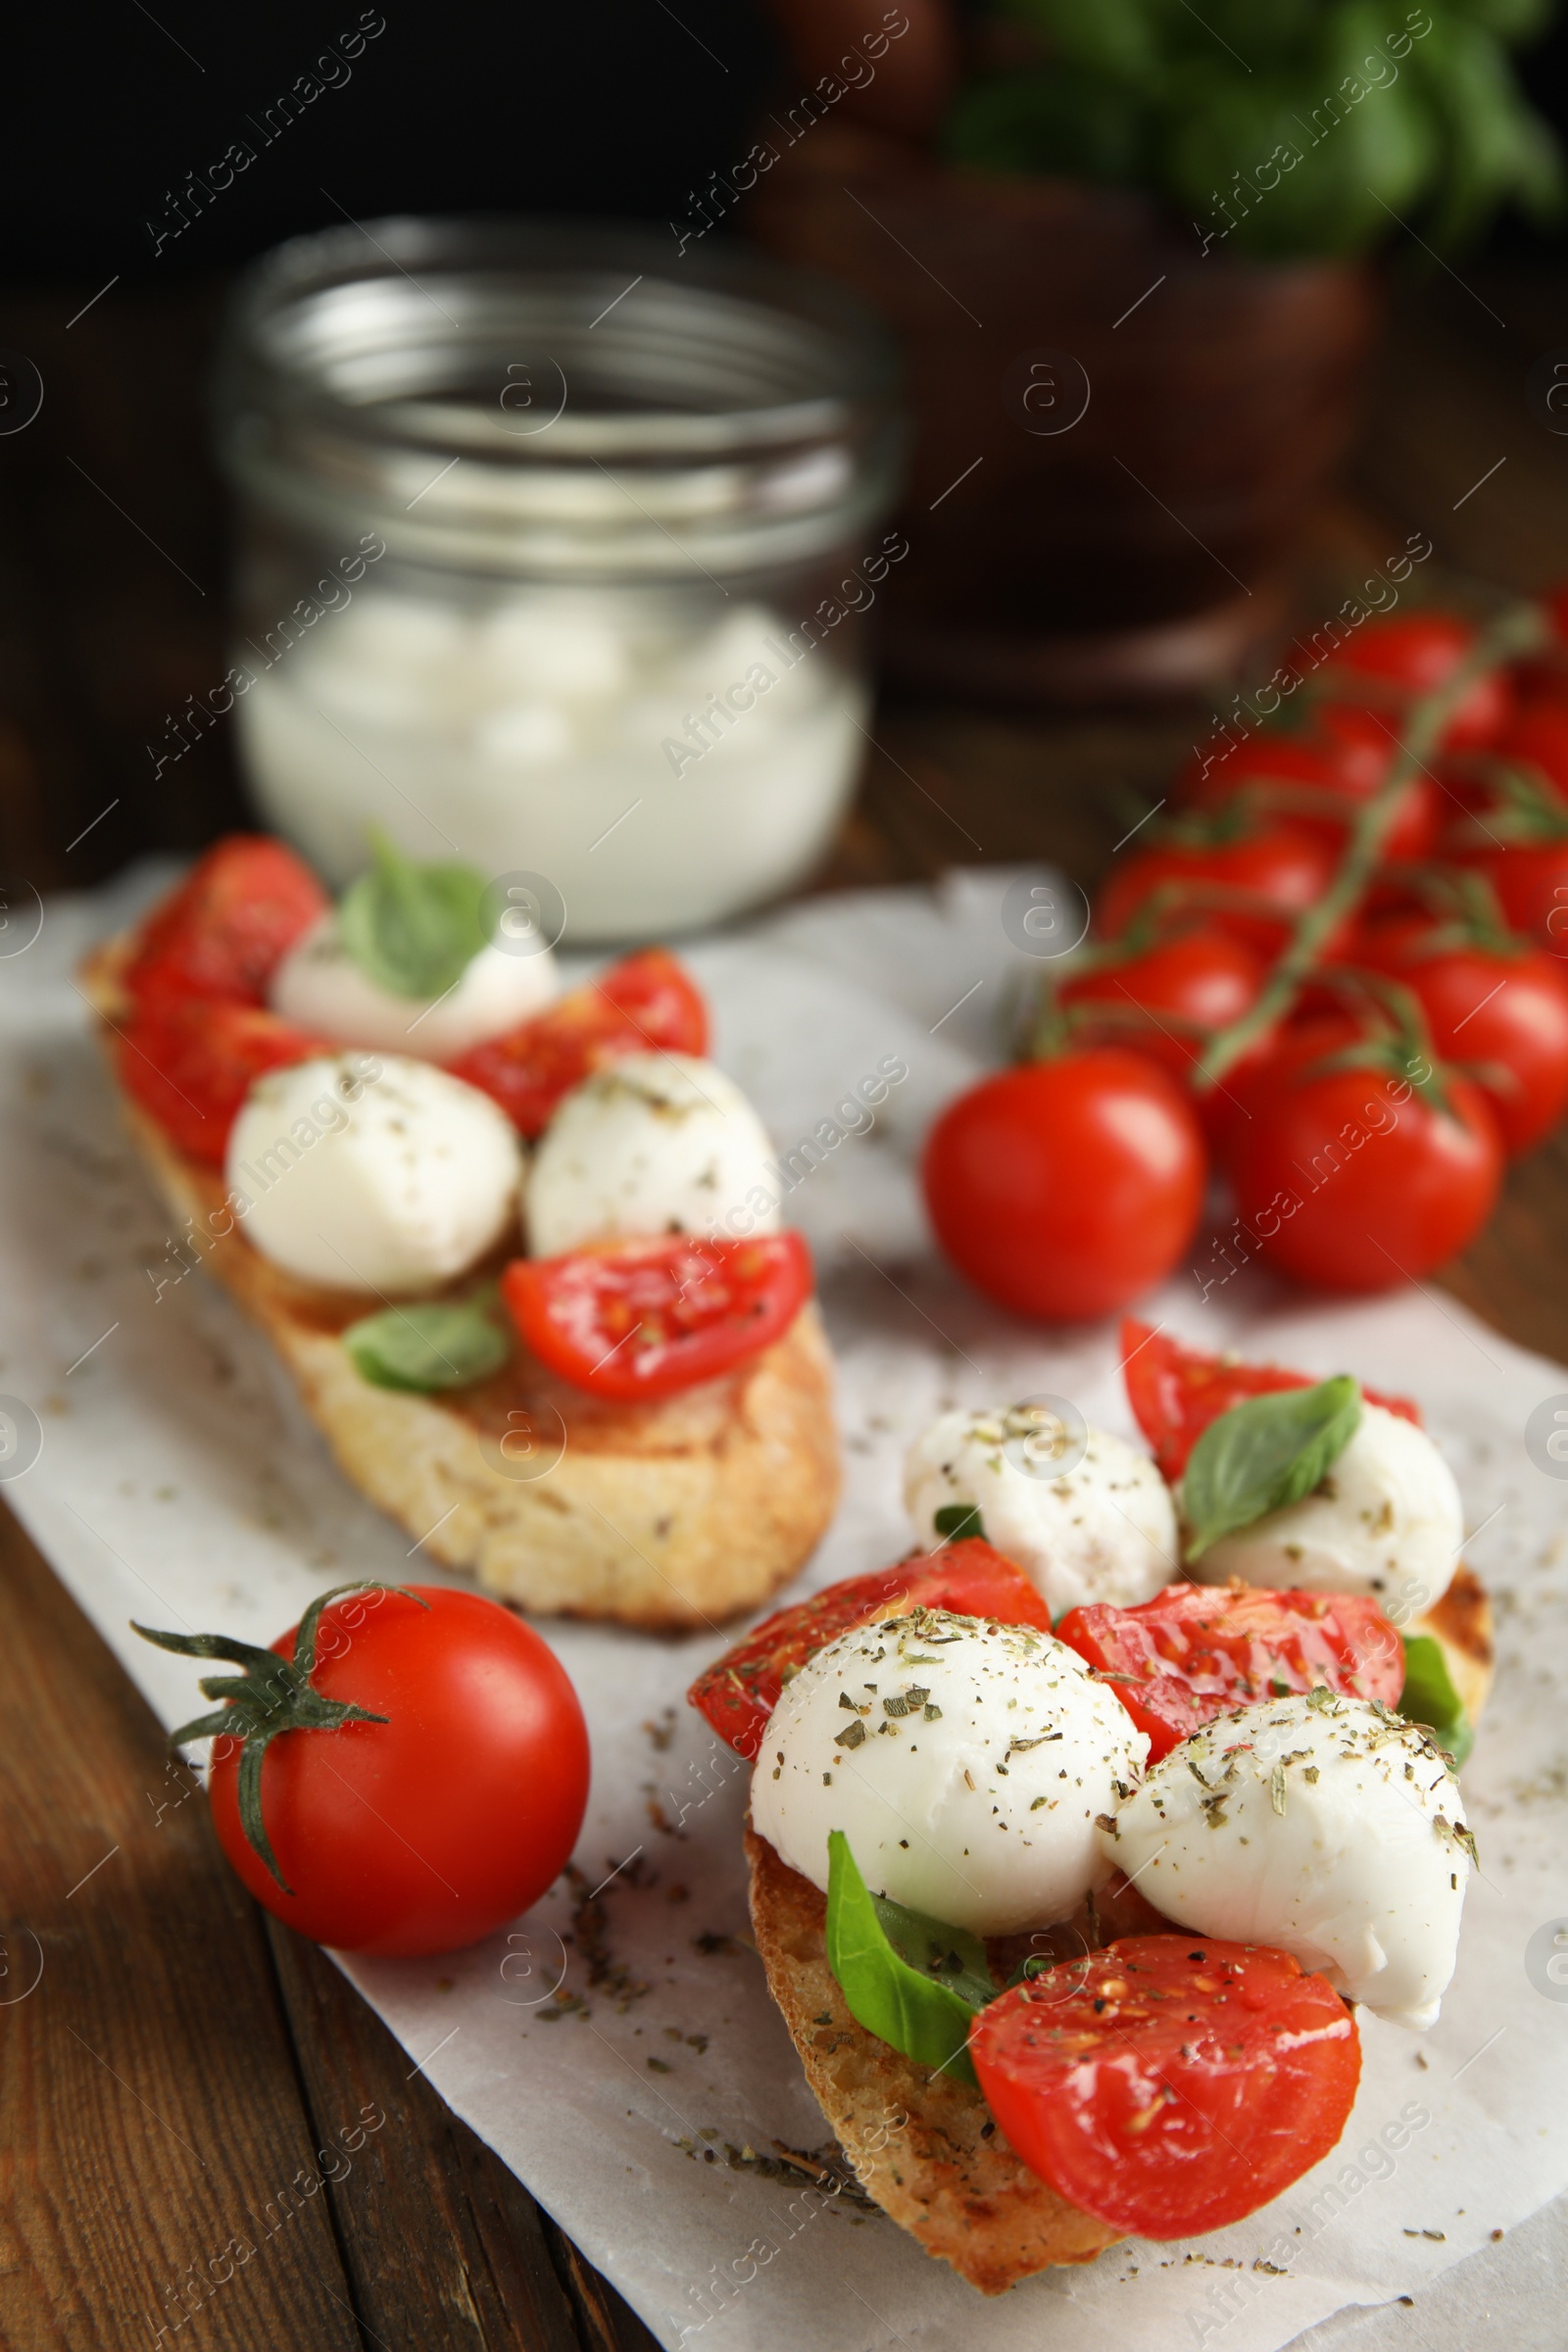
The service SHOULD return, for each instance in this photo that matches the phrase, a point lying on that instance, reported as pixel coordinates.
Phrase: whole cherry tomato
(1538, 738)
(1279, 867)
(423, 1768)
(1353, 1178)
(1167, 1000)
(1133, 2078)
(1068, 1188)
(1318, 775)
(1505, 1016)
(1531, 881)
(1414, 652)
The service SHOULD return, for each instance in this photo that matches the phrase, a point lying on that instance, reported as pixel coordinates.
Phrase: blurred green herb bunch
(1282, 128)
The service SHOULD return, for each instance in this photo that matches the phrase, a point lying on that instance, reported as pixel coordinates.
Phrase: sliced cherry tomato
(1411, 654)
(1505, 1016)
(739, 1692)
(648, 1002)
(635, 1320)
(1169, 2084)
(1068, 1188)
(437, 1825)
(1352, 1180)
(229, 924)
(1276, 869)
(1194, 1650)
(1176, 1391)
(190, 1061)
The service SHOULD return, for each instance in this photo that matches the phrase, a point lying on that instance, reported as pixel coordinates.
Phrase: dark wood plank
(445, 2245)
(153, 2139)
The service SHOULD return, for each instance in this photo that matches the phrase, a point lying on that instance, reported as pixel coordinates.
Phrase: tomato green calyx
(1518, 630)
(273, 1695)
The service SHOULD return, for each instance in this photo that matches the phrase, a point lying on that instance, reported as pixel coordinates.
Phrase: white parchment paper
(179, 1482)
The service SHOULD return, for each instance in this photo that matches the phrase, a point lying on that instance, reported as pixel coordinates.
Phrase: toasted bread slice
(1461, 1624)
(924, 2145)
(666, 1515)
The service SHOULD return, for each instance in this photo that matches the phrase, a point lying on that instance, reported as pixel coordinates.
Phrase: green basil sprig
(1430, 1698)
(444, 1344)
(1264, 1454)
(910, 1981)
(413, 929)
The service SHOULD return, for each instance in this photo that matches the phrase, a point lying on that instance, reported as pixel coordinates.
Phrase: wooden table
(189, 2056)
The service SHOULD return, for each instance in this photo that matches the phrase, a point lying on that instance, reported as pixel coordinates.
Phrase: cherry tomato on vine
(1199, 981)
(1068, 1188)
(1235, 884)
(1318, 775)
(1414, 652)
(1537, 737)
(1132, 2080)
(1352, 1179)
(1503, 1016)
(423, 1773)
(1531, 882)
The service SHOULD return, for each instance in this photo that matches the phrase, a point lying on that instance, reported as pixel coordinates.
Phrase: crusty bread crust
(1461, 1624)
(924, 2145)
(667, 1515)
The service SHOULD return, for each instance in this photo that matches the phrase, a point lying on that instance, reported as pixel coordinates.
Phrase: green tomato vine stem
(1518, 630)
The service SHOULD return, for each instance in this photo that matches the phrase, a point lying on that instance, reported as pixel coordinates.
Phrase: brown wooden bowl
(1129, 547)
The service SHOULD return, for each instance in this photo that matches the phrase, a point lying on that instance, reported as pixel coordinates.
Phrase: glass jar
(555, 555)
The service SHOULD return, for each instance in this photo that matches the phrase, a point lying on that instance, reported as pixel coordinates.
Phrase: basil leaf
(1430, 1698)
(444, 1345)
(926, 2016)
(956, 1522)
(413, 929)
(1263, 1455)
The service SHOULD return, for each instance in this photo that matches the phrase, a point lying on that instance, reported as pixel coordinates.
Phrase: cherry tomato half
(739, 1692)
(1068, 1188)
(190, 1061)
(1505, 1017)
(434, 1828)
(1352, 1181)
(636, 1320)
(647, 1002)
(228, 925)
(1176, 1391)
(1169, 2084)
(1192, 1651)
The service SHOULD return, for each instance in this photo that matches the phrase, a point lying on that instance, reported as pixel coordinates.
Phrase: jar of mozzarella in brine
(556, 554)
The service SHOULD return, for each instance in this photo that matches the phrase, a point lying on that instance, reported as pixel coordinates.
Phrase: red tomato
(635, 1320)
(1351, 1181)
(434, 1828)
(1176, 1391)
(226, 928)
(739, 1692)
(1505, 1016)
(1414, 652)
(1537, 736)
(1066, 1188)
(190, 1061)
(1194, 1650)
(1332, 764)
(645, 1004)
(1530, 880)
(1169, 2084)
(1189, 986)
(1280, 866)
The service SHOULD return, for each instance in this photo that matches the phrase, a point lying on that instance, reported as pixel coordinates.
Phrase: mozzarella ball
(373, 1173)
(1326, 1827)
(1104, 1531)
(319, 986)
(964, 1761)
(656, 1143)
(1387, 1521)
